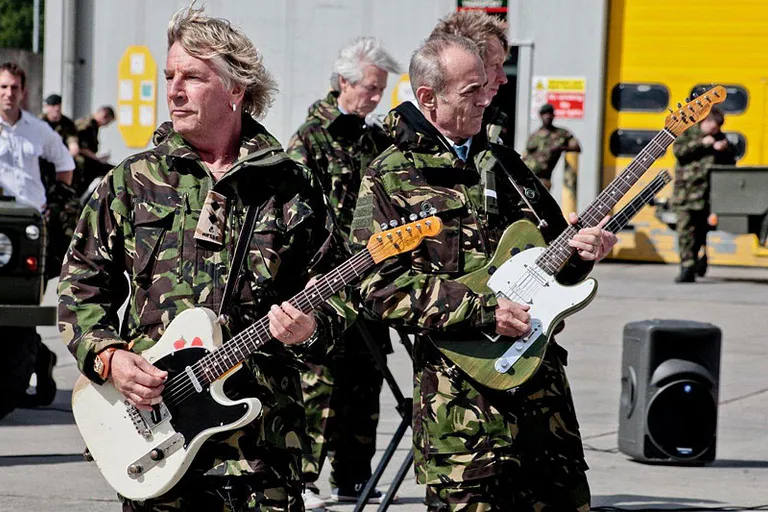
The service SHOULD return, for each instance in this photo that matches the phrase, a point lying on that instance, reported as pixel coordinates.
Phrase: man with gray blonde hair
(489, 33)
(168, 218)
(341, 393)
(475, 448)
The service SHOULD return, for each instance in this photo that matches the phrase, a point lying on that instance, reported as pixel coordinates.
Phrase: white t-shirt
(21, 145)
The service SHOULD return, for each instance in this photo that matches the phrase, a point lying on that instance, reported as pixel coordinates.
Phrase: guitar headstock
(694, 110)
(402, 238)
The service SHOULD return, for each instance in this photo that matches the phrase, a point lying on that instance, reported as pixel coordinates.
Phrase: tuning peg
(670, 110)
(402, 220)
(383, 225)
(422, 214)
(679, 105)
(707, 98)
(432, 211)
(687, 100)
(412, 217)
(716, 94)
(393, 223)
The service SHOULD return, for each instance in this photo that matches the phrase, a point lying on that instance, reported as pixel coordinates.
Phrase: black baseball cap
(53, 99)
(547, 108)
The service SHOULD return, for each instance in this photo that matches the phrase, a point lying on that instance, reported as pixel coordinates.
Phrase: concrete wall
(298, 38)
(32, 64)
(563, 38)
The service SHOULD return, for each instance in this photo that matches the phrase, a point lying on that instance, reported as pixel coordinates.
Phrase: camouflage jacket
(494, 124)
(418, 291)
(543, 150)
(337, 148)
(88, 133)
(65, 127)
(141, 220)
(691, 188)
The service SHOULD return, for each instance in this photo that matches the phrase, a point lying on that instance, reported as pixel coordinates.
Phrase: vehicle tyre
(16, 365)
(763, 237)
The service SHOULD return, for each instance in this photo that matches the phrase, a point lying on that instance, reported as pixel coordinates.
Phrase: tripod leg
(396, 482)
(385, 458)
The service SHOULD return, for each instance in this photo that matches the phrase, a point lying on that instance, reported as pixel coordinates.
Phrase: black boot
(701, 266)
(687, 275)
(45, 391)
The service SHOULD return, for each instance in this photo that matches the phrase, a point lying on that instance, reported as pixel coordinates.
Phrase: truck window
(735, 103)
(630, 142)
(738, 141)
(640, 97)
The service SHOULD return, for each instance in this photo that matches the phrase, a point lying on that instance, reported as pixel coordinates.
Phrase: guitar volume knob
(156, 454)
(135, 469)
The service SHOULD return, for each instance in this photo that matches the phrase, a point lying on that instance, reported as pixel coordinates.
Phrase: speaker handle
(675, 368)
(629, 392)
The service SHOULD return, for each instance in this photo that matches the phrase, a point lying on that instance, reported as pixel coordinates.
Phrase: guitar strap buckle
(492, 337)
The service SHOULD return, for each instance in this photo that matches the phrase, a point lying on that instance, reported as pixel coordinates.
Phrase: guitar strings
(181, 386)
(182, 390)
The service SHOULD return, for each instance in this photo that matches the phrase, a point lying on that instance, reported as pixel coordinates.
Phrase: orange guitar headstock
(402, 238)
(694, 110)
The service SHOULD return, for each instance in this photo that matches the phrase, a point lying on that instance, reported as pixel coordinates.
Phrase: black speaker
(670, 372)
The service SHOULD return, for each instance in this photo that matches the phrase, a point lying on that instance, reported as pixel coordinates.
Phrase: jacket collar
(257, 145)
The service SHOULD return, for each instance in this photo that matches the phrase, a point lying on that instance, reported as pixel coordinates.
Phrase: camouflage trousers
(62, 214)
(341, 402)
(224, 494)
(543, 470)
(496, 494)
(692, 229)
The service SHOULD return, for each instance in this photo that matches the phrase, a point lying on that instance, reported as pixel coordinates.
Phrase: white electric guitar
(143, 454)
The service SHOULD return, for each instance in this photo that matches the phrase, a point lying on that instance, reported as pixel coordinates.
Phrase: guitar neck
(237, 349)
(621, 219)
(557, 254)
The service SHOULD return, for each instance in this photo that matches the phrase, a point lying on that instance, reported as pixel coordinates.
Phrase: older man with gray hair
(168, 219)
(341, 393)
(474, 447)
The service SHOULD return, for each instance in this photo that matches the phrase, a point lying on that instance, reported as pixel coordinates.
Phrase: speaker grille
(682, 419)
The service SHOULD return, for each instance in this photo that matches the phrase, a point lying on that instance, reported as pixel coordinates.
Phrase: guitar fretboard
(622, 218)
(558, 252)
(217, 363)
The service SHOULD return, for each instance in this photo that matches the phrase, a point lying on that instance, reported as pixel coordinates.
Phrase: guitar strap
(541, 222)
(235, 269)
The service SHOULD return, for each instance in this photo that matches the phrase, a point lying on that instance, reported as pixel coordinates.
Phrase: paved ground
(41, 468)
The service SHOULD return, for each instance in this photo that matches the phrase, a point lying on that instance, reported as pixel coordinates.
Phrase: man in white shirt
(23, 140)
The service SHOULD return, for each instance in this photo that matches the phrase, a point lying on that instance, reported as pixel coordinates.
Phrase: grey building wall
(298, 38)
(564, 38)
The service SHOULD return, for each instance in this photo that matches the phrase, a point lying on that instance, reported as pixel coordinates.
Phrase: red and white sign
(565, 94)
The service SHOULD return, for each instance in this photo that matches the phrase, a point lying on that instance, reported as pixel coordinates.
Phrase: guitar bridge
(518, 349)
(146, 421)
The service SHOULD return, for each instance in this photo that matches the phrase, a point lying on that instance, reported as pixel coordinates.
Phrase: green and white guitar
(524, 269)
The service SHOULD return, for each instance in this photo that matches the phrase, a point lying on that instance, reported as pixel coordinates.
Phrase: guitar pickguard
(512, 273)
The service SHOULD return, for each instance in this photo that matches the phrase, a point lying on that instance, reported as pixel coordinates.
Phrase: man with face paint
(489, 33)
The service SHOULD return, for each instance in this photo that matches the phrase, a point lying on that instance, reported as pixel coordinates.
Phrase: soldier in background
(60, 123)
(341, 393)
(475, 448)
(545, 145)
(489, 33)
(696, 150)
(63, 201)
(91, 164)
